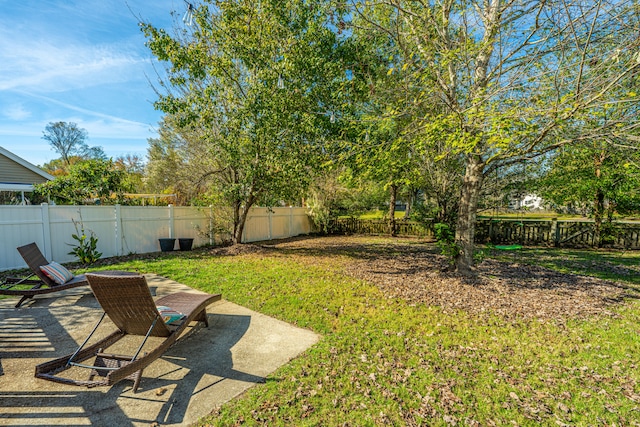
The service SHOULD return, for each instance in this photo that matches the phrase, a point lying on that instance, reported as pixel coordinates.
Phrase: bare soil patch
(414, 271)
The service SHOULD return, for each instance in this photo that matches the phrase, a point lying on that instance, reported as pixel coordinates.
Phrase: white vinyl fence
(123, 230)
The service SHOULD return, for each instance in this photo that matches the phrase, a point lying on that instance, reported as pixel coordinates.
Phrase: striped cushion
(169, 315)
(57, 272)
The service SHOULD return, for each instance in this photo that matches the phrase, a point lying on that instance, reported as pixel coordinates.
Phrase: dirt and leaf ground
(414, 271)
(405, 342)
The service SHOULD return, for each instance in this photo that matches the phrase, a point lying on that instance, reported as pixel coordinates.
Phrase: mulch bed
(415, 272)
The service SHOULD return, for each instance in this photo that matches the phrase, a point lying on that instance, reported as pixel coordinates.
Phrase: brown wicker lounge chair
(127, 301)
(42, 284)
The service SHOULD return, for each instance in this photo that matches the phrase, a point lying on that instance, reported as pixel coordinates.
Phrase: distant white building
(527, 201)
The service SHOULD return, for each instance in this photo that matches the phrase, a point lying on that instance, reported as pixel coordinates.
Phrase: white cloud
(97, 124)
(16, 112)
(115, 128)
(77, 61)
(61, 46)
(102, 125)
(42, 66)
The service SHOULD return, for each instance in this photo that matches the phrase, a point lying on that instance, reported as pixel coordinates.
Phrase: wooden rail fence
(508, 231)
(378, 226)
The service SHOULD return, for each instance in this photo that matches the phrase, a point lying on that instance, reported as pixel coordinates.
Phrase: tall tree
(515, 76)
(247, 91)
(384, 100)
(172, 168)
(69, 140)
(440, 181)
(133, 167)
(601, 176)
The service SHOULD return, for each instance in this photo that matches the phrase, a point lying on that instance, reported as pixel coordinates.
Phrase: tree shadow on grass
(355, 247)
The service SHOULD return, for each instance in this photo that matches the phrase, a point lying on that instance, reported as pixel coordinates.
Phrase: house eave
(26, 164)
(5, 186)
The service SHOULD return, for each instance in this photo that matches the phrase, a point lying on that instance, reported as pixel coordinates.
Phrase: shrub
(86, 249)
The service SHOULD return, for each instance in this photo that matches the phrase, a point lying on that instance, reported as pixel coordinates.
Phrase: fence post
(46, 231)
(491, 230)
(554, 234)
(171, 221)
(290, 221)
(270, 219)
(211, 236)
(119, 232)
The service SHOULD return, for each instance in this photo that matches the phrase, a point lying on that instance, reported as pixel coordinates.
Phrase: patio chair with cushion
(127, 301)
(50, 277)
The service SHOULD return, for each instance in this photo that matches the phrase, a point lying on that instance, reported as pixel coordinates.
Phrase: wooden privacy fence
(508, 231)
(122, 230)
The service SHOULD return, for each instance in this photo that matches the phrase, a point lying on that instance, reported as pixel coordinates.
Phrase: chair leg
(202, 317)
(23, 299)
(136, 380)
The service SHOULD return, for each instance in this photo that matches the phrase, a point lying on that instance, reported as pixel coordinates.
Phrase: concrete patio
(208, 366)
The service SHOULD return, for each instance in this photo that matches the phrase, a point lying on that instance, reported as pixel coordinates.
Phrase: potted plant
(167, 244)
(185, 244)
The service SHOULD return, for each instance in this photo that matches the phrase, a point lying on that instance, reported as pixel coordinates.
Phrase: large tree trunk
(236, 223)
(239, 229)
(393, 190)
(240, 213)
(466, 224)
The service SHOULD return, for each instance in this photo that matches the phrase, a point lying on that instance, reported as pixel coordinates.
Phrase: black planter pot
(185, 244)
(166, 244)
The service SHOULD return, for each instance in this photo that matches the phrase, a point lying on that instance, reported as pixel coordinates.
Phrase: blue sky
(83, 62)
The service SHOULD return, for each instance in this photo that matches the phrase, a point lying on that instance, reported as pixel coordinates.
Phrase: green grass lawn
(382, 361)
